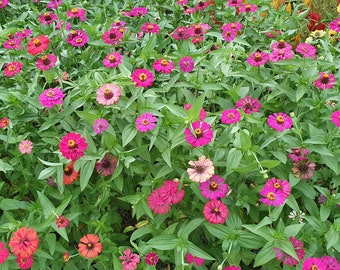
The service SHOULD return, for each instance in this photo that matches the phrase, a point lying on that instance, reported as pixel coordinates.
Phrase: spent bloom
(142, 77)
(130, 260)
(192, 259)
(304, 169)
(72, 146)
(215, 188)
(45, 62)
(336, 118)
(4, 253)
(11, 69)
(287, 259)
(107, 165)
(248, 105)
(38, 44)
(61, 222)
(325, 81)
(77, 13)
(145, 122)
(70, 174)
(230, 116)
(215, 212)
(112, 60)
(24, 242)
(198, 134)
(25, 147)
(51, 97)
(257, 58)
(298, 154)
(151, 258)
(186, 64)
(200, 170)
(279, 121)
(108, 94)
(89, 246)
(314, 264)
(164, 66)
(100, 125)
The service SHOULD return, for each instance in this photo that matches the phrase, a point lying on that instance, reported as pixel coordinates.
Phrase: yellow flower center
(111, 57)
(79, 40)
(74, 10)
(145, 122)
(50, 93)
(12, 67)
(142, 77)
(213, 186)
(198, 131)
(44, 57)
(164, 62)
(37, 42)
(280, 119)
(277, 185)
(108, 93)
(150, 27)
(231, 115)
(71, 143)
(271, 196)
(326, 75)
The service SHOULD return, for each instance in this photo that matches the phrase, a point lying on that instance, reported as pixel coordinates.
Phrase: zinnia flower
(279, 185)
(151, 258)
(336, 118)
(72, 146)
(229, 35)
(51, 97)
(248, 105)
(146, 122)
(215, 212)
(279, 121)
(314, 264)
(304, 169)
(331, 263)
(163, 66)
(70, 174)
(24, 262)
(54, 4)
(13, 43)
(215, 188)
(158, 203)
(298, 154)
(129, 260)
(38, 44)
(4, 122)
(142, 77)
(287, 259)
(113, 36)
(193, 259)
(24, 242)
(180, 33)
(335, 25)
(66, 256)
(306, 50)
(281, 54)
(150, 28)
(107, 165)
(248, 8)
(3, 3)
(234, 26)
(112, 60)
(170, 192)
(199, 134)
(234, 3)
(4, 253)
(100, 125)
(258, 58)
(77, 38)
(186, 64)
(272, 196)
(89, 246)
(108, 94)
(230, 116)
(12, 68)
(138, 11)
(325, 81)
(77, 13)
(281, 45)
(62, 222)
(25, 147)
(47, 18)
(45, 62)
(200, 170)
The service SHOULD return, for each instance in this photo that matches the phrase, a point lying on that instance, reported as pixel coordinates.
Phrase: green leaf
(320, 149)
(196, 251)
(166, 155)
(128, 134)
(331, 162)
(163, 171)
(163, 242)
(233, 159)
(4, 167)
(194, 111)
(325, 211)
(176, 110)
(286, 246)
(265, 255)
(46, 204)
(220, 231)
(293, 230)
(245, 140)
(51, 242)
(12, 204)
(86, 171)
(270, 163)
(45, 173)
(140, 232)
(188, 228)
(332, 238)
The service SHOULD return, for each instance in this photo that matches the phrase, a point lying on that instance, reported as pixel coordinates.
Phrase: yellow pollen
(198, 131)
(71, 143)
(66, 169)
(142, 77)
(216, 211)
(213, 185)
(325, 75)
(150, 27)
(79, 40)
(197, 26)
(164, 62)
(89, 245)
(280, 119)
(12, 67)
(74, 10)
(145, 122)
(314, 267)
(271, 196)
(277, 185)
(47, 14)
(231, 115)
(248, 6)
(50, 93)
(112, 57)
(44, 57)
(37, 42)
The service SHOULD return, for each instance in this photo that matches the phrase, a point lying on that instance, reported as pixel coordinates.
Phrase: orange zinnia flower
(70, 175)
(24, 242)
(89, 246)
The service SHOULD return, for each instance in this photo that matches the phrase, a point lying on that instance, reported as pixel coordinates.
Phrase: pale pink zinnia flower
(215, 212)
(279, 121)
(25, 147)
(287, 259)
(108, 94)
(130, 260)
(100, 125)
(200, 170)
(248, 104)
(215, 188)
(199, 134)
(146, 122)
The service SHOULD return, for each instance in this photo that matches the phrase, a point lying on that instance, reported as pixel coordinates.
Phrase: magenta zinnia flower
(3, 4)
(215, 212)
(306, 50)
(138, 11)
(298, 154)
(163, 65)
(146, 122)
(229, 35)
(234, 3)
(248, 105)
(72, 146)
(248, 8)
(54, 4)
(336, 118)
(258, 58)
(186, 64)
(287, 259)
(13, 43)
(112, 60)
(107, 165)
(12, 68)
(180, 33)
(4, 253)
(129, 260)
(150, 28)
(281, 54)
(335, 25)
(25, 147)
(45, 62)
(314, 264)
(230, 116)
(215, 188)
(151, 258)
(234, 26)
(233, 267)
(108, 94)
(77, 38)
(279, 121)
(325, 81)
(142, 77)
(193, 259)
(100, 125)
(200, 170)
(158, 203)
(331, 263)
(51, 97)
(281, 45)
(47, 18)
(272, 196)
(113, 36)
(199, 134)
(279, 185)
(24, 262)
(77, 13)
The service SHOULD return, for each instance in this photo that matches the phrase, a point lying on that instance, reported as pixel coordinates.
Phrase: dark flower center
(47, 16)
(68, 171)
(198, 133)
(145, 122)
(213, 186)
(45, 60)
(113, 36)
(325, 79)
(216, 211)
(90, 245)
(199, 169)
(108, 93)
(303, 166)
(106, 164)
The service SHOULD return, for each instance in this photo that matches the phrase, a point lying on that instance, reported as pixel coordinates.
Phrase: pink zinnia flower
(298, 154)
(336, 118)
(24, 262)
(198, 29)
(229, 35)
(23, 34)
(201, 5)
(281, 45)
(202, 115)
(45, 62)
(281, 54)
(100, 125)
(151, 258)
(258, 58)
(150, 28)
(200, 170)
(193, 259)
(113, 36)
(279, 185)
(72, 146)
(108, 94)
(182, 2)
(77, 13)
(279, 121)
(234, 26)
(107, 165)
(248, 105)
(158, 203)
(287, 259)
(164, 66)
(146, 122)
(331, 263)
(215, 188)
(335, 25)
(233, 267)
(248, 8)
(4, 122)
(186, 64)
(306, 50)
(325, 81)
(199, 134)
(272, 196)
(51, 97)
(142, 77)
(25, 147)
(129, 260)
(54, 4)
(112, 60)
(138, 11)
(3, 3)
(60, 25)
(62, 222)
(215, 212)
(230, 116)
(13, 43)
(180, 33)
(38, 44)
(12, 68)
(189, 11)
(314, 264)
(4, 253)
(170, 192)
(24, 242)
(234, 3)
(77, 38)
(47, 18)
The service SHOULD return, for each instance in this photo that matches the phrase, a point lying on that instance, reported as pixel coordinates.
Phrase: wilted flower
(200, 170)
(107, 165)
(304, 169)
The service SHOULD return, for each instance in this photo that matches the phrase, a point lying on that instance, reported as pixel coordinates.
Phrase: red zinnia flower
(12, 68)
(37, 45)
(62, 222)
(25, 262)
(70, 175)
(4, 122)
(89, 246)
(215, 211)
(72, 146)
(151, 258)
(24, 242)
